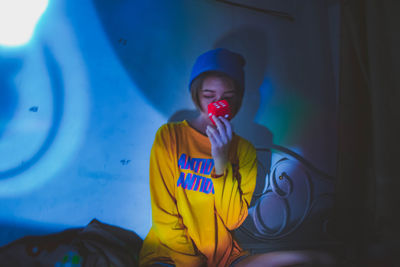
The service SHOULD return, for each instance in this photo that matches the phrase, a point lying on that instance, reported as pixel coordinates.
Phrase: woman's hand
(220, 138)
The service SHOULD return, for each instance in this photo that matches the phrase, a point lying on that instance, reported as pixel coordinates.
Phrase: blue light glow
(18, 19)
(50, 119)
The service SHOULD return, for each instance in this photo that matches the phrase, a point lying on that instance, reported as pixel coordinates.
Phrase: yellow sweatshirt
(192, 212)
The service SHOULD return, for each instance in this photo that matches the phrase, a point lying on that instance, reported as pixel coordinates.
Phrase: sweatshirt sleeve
(231, 198)
(167, 223)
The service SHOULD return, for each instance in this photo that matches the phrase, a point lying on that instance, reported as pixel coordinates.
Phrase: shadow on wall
(9, 98)
(252, 44)
(150, 41)
(57, 87)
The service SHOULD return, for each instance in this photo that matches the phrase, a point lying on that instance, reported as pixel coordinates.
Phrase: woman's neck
(200, 123)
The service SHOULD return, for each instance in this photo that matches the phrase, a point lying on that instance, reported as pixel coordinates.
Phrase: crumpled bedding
(98, 244)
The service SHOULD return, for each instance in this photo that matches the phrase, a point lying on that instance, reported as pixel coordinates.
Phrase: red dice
(219, 109)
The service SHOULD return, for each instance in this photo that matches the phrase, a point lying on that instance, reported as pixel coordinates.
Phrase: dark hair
(197, 85)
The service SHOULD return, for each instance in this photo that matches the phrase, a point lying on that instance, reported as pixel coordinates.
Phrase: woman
(202, 176)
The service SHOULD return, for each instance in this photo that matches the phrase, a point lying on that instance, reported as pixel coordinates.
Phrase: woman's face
(215, 89)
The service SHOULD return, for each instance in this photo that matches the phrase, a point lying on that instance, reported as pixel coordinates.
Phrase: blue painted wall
(81, 102)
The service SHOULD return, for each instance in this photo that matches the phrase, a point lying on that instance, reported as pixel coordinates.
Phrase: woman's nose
(219, 98)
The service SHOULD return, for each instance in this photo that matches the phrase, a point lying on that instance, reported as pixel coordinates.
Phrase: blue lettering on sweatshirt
(195, 182)
(197, 165)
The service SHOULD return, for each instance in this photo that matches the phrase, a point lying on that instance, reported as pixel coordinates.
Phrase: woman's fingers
(228, 127)
(213, 136)
(221, 124)
(220, 137)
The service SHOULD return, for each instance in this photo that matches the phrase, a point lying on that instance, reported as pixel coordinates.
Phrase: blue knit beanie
(221, 60)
